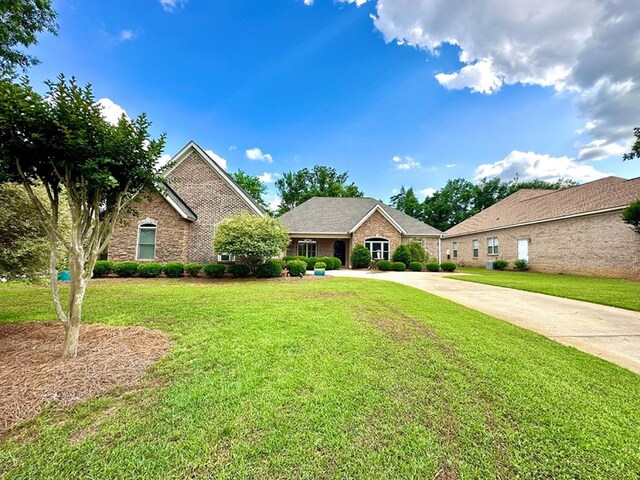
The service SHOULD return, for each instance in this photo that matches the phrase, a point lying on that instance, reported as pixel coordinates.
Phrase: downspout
(440, 249)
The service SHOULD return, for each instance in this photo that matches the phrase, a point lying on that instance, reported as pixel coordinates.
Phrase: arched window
(307, 248)
(379, 248)
(147, 241)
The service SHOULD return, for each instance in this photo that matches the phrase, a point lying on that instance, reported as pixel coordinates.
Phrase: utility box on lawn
(489, 265)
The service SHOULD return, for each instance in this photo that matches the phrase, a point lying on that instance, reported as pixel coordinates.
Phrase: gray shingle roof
(326, 215)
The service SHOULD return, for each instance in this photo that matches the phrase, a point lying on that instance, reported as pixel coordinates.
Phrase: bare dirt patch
(33, 375)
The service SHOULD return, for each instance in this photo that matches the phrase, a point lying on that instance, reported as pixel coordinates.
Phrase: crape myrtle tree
(61, 142)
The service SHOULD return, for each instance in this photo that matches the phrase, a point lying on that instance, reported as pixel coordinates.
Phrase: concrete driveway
(607, 332)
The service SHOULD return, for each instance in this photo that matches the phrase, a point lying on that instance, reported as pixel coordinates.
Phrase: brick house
(576, 230)
(179, 224)
(330, 227)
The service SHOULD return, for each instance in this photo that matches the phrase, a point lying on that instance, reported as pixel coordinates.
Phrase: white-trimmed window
(492, 245)
(476, 250)
(147, 241)
(379, 248)
(307, 248)
(226, 257)
(455, 249)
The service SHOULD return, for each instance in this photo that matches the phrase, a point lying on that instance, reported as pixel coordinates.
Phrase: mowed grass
(330, 378)
(614, 292)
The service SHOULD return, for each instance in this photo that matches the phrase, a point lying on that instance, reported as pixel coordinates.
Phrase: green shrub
(311, 262)
(383, 265)
(418, 253)
(125, 269)
(415, 266)
(402, 254)
(337, 263)
(521, 265)
(193, 269)
(500, 264)
(296, 268)
(269, 269)
(398, 266)
(173, 269)
(149, 269)
(448, 266)
(295, 257)
(214, 270)
(433, 267)
(102, 268)
(360, 257)
(320, 265)
(328, 261)
(239, 270)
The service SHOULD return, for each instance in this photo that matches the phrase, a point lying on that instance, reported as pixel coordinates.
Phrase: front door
(339, 251)
(523, 249)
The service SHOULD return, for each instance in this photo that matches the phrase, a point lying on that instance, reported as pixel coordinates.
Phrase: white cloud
(308, 2)
(232, 148)
(164, 159)
(127, 35)
(428, 192)
(587, 47)
(111, 111)
(258, 155)
(530, 165)
(599, 149)
(170, 5)
(450, 165)
(405, 163)
(267, 177)
(358, 3)
(217, 158)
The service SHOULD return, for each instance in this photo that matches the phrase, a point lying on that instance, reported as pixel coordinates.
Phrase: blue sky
(397, 92)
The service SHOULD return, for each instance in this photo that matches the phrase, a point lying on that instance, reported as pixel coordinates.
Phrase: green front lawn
(330, 378)
(614, 292)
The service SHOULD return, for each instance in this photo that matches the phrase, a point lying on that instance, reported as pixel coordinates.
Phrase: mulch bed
(33, 374)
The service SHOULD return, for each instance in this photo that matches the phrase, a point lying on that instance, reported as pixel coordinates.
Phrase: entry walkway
(607, 332)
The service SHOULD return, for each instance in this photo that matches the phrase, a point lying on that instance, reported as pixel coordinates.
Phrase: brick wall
(376, 226)
(430, 244)
(172, 232)
(600, 245)
(210, 197)
(324, 246)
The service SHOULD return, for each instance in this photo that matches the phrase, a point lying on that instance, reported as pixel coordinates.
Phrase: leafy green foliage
(328, 261)
(269, 269)
(215, 270)
(500, 264)
(125, 269)
(631, 215)
(360, 257)
(21, 21)
(149, 269)
(252, 185)
(337, 263)
(433, 267)
(193, 269)
(102, 268)
(635, 149)
(398, 266)
(296, 267)
(418, 253)
(406, 201)
(383, 265)
(521, 265)
(402, 254)
(173, 269)
(415, 266)
(448, 266)
(238, 270)
(320, 266)
(297, 187)
(251, 239)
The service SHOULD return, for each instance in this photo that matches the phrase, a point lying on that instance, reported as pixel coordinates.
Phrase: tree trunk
(77, 289)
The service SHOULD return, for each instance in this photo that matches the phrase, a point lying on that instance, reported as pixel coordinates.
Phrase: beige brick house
(179, 224)
(330, 227)
(575, 230)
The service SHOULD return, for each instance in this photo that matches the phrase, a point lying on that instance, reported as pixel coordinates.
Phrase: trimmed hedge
(193, 269)
(415, 266)
(320, 265)
(102, 268)
(360, 257)
(239, 270)
(448, 266)
(328, 261)
(402, 254)
(173, 269)
(398, 266)
(433, 267)
(149, 270)
(296, 268)
(383, 265)
(521, 265)
(337, 263)
(125, 269)
(214, 270)
(331, 262)
(500, 264)
(270, 269)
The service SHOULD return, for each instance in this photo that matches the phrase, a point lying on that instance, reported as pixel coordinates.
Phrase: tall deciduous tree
(21, 21)
(298, 187)
(63, 143)
(631, 215)
(252, 185)
(635, 149)
(406, 201)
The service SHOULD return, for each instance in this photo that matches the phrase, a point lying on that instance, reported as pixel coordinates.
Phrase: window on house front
(226, 257)
(455, 249)
(307, 248)
(147, 242)
(476, 250)
(492, 245)
(379, 248)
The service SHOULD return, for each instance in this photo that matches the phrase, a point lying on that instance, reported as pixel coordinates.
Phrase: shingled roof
(531, 206)
(330, 215)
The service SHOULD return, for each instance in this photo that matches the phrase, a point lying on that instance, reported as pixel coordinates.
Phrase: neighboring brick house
(330, 227)
(575, 230)
(179, 224)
